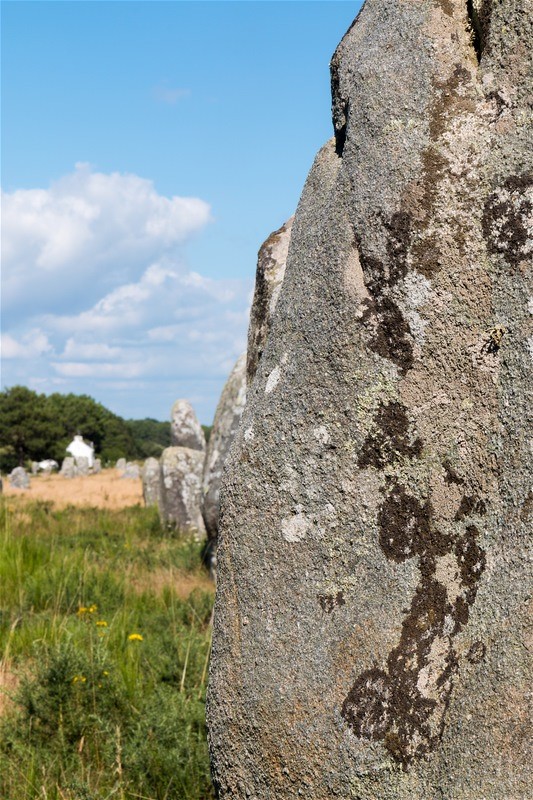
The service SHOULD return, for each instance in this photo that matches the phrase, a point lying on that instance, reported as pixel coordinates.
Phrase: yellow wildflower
(105, 672)
(82, 610)
(93, 608)
(101, 623)
(135, 637)
(79, 679)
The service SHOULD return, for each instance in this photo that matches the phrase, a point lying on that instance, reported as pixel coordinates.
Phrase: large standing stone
(181, 490)
(185, 430)
(151, 477)
(68, 468)
(225, 424)
(19, 478)
(373, 568)
(271, 262)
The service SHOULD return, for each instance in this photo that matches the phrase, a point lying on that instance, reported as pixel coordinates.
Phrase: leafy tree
(151, 436)
(28, 427)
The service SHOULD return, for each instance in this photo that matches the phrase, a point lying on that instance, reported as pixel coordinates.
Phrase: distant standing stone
(34, 467)
(121, 464)
(270, 272)
(181, 490)
(151, 482)
(82, 465)
(68, 468)
(226, 422)
(132, 471)
(97, 466)
(185, 430)
(19, 478)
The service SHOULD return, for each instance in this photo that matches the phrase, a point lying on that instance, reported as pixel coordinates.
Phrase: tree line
(36, 426)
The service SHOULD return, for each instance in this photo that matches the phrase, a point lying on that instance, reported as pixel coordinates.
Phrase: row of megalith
(185, 481)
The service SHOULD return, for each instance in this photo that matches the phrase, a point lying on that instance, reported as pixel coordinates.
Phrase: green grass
(95, 714)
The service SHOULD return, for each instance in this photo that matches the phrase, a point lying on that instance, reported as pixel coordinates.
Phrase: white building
(80, 449)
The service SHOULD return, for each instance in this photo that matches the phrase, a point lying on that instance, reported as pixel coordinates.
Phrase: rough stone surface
(132, 471)
(185, 430)
(82, 465)
(181, 490)
(271, 262)
(68, 468)
(371, 633)
(97, 466)
(121, 464)
(151, 476)
(19, 478)
(225, 424)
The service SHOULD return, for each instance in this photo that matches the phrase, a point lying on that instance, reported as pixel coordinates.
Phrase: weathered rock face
(225, 424)
(97, 466)
(68, 468)
(181, 490)
(271, 262)
(151, 475)
(373, 570)
(132, 471)
(185, 430)
(19, 478)
(82, 465)
(121, 464)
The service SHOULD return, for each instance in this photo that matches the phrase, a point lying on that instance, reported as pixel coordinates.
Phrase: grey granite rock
(121, 464)
(68, 468)
(151, 477)
(181, 490)
(82, 465)
(131, 472)
(97, 466)
(271, 262)
(185, 430)
(225, 424)
(19, 478)
(374, 560)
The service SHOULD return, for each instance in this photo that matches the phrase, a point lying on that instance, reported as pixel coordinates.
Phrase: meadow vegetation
(104, 644)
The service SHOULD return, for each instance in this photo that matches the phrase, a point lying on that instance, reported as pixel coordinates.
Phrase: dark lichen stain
(330, 601)
(505, 219)
(404, 706)
(476, 654)
(389, 438)
(392, 338)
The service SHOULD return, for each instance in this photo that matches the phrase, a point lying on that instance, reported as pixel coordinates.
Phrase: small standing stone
(132, 471)
(270, 272)
(82, 465)
(181, 490)
(97, 466)
(151, 481)
(19, 478)
(185, 430)
(121, 464)
(68, 468)
(227, 418)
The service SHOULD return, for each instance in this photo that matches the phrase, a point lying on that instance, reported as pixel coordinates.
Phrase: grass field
(104, 646)
(105, 490)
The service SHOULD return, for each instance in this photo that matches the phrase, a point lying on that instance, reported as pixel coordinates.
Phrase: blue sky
(148, 148)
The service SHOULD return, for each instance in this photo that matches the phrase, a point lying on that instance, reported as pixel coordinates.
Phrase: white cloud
(33, 344)
(88, 230)
(102, 303)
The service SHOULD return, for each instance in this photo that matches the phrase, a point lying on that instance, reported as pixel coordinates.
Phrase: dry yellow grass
(105, 490)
